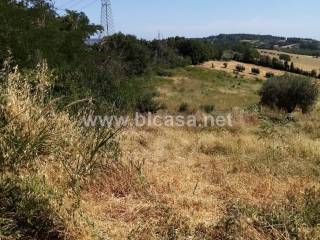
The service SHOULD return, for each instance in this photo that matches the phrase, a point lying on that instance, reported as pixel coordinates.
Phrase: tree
(133, 54)
(314, 73)
(240, 68)
(31, 30)
(288, 92)
(255, 70)
(285, 57)
(269, 74)
(292, 68)
(199, 51)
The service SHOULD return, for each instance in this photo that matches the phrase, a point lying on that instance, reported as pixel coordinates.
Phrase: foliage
(288, 92)
(285, 57)
(35, 135)
(26, 211)
(240, 68)
(255, 70)
(184, 107)
(269, 74)
(32, 30)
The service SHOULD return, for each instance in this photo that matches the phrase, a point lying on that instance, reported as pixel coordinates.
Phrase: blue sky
(200, 18)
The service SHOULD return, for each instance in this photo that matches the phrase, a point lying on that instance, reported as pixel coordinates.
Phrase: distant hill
(293, 45)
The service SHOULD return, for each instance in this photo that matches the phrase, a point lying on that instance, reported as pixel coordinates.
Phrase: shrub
(314, 73)
(288, 92)
(269, 74)
(255, 70)
(164, 73)
(25, 212)
(147, 104)
(184, 107)
(240, 68)
(285, 57)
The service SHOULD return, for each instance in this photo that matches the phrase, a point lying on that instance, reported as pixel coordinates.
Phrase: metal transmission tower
(106, 18)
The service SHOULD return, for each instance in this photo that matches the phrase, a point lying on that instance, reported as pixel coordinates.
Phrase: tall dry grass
(49, 154)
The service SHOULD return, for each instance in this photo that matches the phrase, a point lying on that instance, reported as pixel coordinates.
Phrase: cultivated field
(219, 65)
(304, 62)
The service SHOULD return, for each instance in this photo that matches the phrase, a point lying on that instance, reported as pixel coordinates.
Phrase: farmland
(304, 62)
(231, 68)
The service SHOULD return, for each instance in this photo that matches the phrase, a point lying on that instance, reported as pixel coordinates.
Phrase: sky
(202, 18)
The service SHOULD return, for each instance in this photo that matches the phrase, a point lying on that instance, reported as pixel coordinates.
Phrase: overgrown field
(258, 179)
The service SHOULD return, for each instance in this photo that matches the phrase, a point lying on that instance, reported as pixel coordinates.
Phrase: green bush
(285, 57)
(164, 73)
(240, 68)
(269, 74)
(289, 92)
(147, 104)
(255, 71)
(184, 107)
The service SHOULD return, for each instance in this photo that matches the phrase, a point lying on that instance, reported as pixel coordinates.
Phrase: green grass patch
(199, 87)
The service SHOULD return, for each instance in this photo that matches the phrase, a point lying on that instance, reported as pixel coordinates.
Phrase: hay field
(219, 65)
(304, 62)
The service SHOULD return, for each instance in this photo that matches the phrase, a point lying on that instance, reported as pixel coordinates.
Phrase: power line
(64, 6)
(76, 3)
(87, 5)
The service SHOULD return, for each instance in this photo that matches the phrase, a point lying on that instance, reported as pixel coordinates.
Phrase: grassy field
(304, 62)
(257, 179)
(253, 180)
(219, 65)
(198, 87)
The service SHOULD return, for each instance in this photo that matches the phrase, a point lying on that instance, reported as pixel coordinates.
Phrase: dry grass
(195, 173)
(174, 183)
(219, 65)
(304, 62)
(190, 176)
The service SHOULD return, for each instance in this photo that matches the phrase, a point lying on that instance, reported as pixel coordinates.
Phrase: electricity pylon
(106, 19)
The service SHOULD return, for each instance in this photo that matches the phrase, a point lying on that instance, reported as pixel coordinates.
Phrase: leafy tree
(240, 68)
(285, 57)
(255, 70)
(269, 74)
(288, 92)
(133, 54)
(31, 30)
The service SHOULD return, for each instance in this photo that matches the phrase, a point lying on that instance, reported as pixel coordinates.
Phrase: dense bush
(269, 74)
(240, 68)
(255, 70)
(285, 57)
(288, 92)
(147, 104)
(184, 107)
